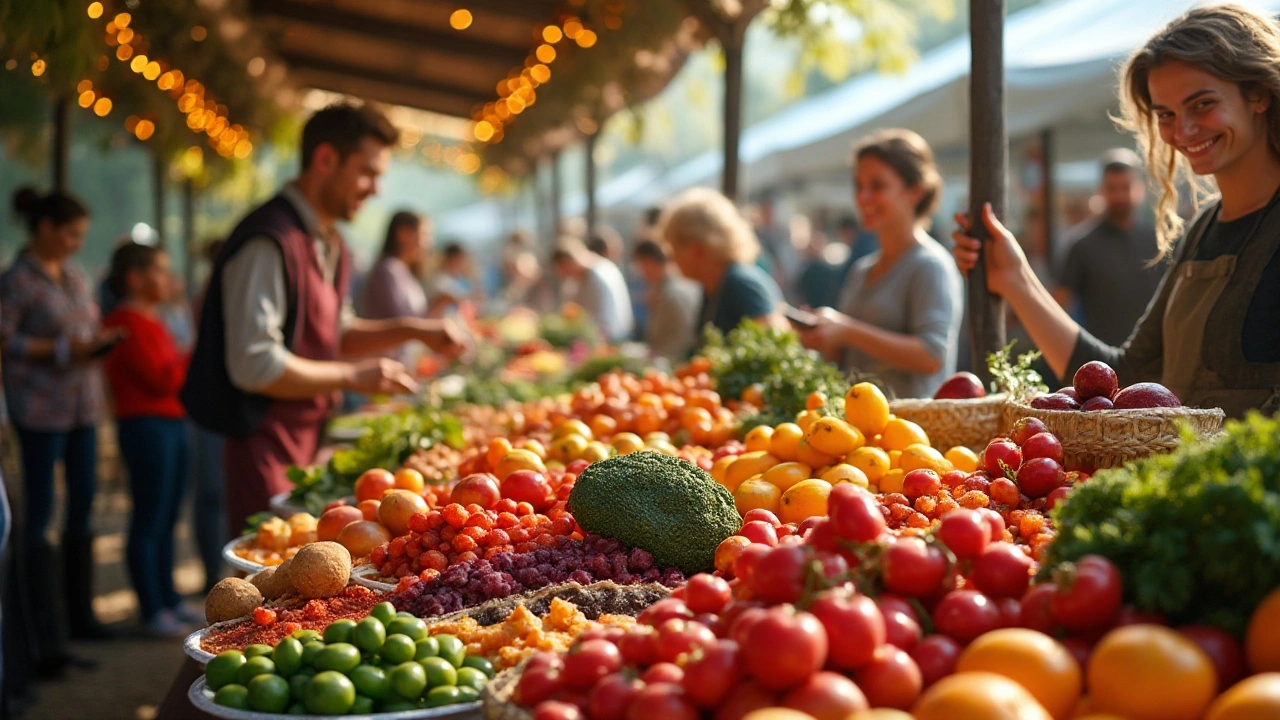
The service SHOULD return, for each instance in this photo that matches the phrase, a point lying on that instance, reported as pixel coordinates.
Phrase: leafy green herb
(1195, 534)
(1017, 378)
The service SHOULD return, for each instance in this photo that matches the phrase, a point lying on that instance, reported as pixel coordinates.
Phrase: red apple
(1097, 403)
(1055, 401)
(1146, 395)
(1042, 445)
(1039, 477)
(961, 386)
(1095, 379)
(479, 488)
(1001, 451)
(1025, 428)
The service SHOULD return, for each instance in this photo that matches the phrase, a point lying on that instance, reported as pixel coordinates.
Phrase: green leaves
(1017, 378)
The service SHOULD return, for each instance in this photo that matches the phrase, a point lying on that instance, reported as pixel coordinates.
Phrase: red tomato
(1057, 497)
(745, 566)
(1080, 649)
(759, 531)
(965, 614)
(809, 523)
(743, 699)
(1001, 451)
(1002, 570)
(1042, 445)
(834, 568)
(779, 576)
(954, 478)
(637, 647)
(936, 656)
(1010, 612)
(576, 467)
(855, 628)
(891, 680)
(678, 639)
(556, 710)
(537, 684)
(1132, 616)
(826, 696)
(784, 648)
(1026, 428)
(822, 535)
(1035, 614)
(995, 523)
(662, 700)
(708, 679)
(611, 696)
(663, 672)
(728, 551)
(855, 513)
(902, 629)
(742, 625)
(707, 593)
(664, 610)
(761, 514)
(965, 533)
(588, 662)
(1090, 596)
(921, 482)
(528, 486)
(1223, 650)
(911, 567)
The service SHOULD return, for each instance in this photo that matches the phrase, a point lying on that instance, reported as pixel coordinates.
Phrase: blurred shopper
(900, 309)
(145, 372)
(599, 288)
(714, 246)
(49, 338)
(1109, 271)
(671, 332)
(607, 243)
(266, 371)
(520, 275)
(455, 286)
(393, 288)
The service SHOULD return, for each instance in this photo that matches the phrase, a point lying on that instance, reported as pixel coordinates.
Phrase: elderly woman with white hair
(714, 246)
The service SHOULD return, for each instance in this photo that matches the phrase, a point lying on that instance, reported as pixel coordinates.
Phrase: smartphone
(800, 318)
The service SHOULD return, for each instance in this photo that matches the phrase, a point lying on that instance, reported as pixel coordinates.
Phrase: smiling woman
(1203, 98)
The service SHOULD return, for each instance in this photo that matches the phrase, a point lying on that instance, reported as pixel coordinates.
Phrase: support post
(988, 167)
(1050, 195)
(733, 44)
(189, 233)
(158, 171)
(591, 182)
(556, 197)
(61, 141)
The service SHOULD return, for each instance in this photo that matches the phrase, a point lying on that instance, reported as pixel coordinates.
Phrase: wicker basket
(1110, 438)
(497, 703)
(971, 423)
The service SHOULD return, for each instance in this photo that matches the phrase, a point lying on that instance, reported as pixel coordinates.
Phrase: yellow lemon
(807, 418)
(895, 459)
(572, 427)
(834, 436)
(783, 441)
(664, 447)
(594, 452)
(962, 458)
(892, 481)
(918, 456)
(866, 408)
(533, 446)
(811, 456)
(567, 448)
(748, 464)
(845, 472)
(787, 474)
(759, 438)
(805, 500)
(756, 493)
(899, 433)
(720, 471)
(627, 443)
(518, 459)
(872, 461)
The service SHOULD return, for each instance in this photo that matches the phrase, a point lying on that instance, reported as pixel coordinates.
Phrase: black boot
(40, 615)
(77, 577)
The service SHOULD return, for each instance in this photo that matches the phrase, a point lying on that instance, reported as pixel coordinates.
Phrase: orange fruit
(747, 465)
(518, 459)
(498, 448)
(754, 395)
(567, 448)
(833, 436)
(783, 441)
(880, 714)
(962, 458)
(756, 493)
(843, 472)
(891, 482)
(919, 456)
(691, 416)
(410, 479)
(721, 433)
(720, 470)
(603, 426)
(1262, 639)
(373, 484)
(533, 446)
(898, 434)
(866, 408)
(787, 474)
(759, 437)
(895, 459)
(572, 427)
(978, 696)
(805, 499)
(815, 401)
(626, 443)
(777, 713)
(1249, 699)
(1149, 672)
(872, 461)
(806, 454)
(1032, 659)
(594, 452)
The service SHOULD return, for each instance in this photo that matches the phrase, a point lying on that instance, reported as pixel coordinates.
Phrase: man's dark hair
(849, 222)
(651, 216)
(650, 250)
(453, 251)
(344, 126)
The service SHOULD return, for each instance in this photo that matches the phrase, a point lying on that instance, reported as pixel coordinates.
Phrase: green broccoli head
(663, 504)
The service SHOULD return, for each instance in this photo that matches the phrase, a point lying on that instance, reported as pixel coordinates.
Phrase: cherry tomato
(965, 614)
(784, 648)
(855, 513)
(936, 656)
(708, 679)
(902, 628)
(855, 628)
(678, 639)
(611, 696)
(1088, 597)
(1010, 612)
(965, 533)
(826, 696)
(995, 523)
(588, 662)
(779, 576)
(663, 672)
(1035, 614)
(911, 567)
(1002, 570)
(1223, 650)
(761, 514)
(743, 699)
(707, 593)
(665, 609)
(759, 531)
(556, 710)
(744, 567)
(538, 683)
(741, 626)
(891, 679)
(662, 700)
(638, 648)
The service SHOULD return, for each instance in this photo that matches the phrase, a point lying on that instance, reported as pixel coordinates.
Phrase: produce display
(1096, 387)
(276, 539)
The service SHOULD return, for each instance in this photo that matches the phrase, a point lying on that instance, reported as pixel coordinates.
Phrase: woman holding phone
(1203, 98)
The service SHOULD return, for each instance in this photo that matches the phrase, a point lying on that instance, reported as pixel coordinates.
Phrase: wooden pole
(61, 141)
(556, 196)
(733, 44)
(591, 182)
(1050, 195)
(988, 167)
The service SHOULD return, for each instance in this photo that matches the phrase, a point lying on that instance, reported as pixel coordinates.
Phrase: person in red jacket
(145, 372)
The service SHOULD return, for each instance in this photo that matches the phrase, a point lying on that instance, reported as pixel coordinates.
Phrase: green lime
(398, 649)
(479, 663)
(269, 694)
(330, 693)
(297, 708)
(362, 706)
(405, 614)
(254, 651)
(310, 651)
(472, 678)
(439, 672)
(467, 694)
(305, 636)
(371, 681)
(339, 656)
(439, 696)
(408, 680)
(411, 627)
(339, 631)
(452, 649)
(298, 684)
(254, 667)
(223, 669)
(369, 634)
(384, 611)
(288, 657)
(426, 647)
(232, 696)
(395, 705)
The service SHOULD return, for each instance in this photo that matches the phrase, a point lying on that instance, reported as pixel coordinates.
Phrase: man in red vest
(268, 366)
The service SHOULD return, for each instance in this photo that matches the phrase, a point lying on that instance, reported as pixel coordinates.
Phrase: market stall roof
(405, 52)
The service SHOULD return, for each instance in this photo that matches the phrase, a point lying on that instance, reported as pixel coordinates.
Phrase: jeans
(155, 451)
(41, 450)
(209, 507)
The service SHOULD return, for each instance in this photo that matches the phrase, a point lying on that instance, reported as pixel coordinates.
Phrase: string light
(103, 107)
(199, 33)
(86, 98)
(95, 10)
(38, 67)
(572, 27)
(257, 66)
(123, 19)
(585, 39)
(124, 52)
(151, 71)
(460, 19)
(144, 130)
(552, 34)
(139, 63)
(84, 86)
(545, 53)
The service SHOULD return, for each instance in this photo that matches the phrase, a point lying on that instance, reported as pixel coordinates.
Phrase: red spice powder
(352, 603)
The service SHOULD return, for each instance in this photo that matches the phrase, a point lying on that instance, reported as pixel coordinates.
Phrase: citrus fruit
(811, 456)
(310, 651)
(410, 479)
(362, 706)
(844, 472)
(288, 657)
(298, 683)
(269, 694)
(369, 635)
(427, 647)
(1149, 672)
(439, 672)
(807, 418)
(747, 465)
(872, 461)
(232, 696)
(833, 436)
(306, 636)
(567, 448)
(498, 449)
(572, 427)
(479, 663)
(518, 459)
(467, 693)
(900, 434)
(759, 437)
(804, 500)
(329, 693)
(384, 611)
(964, 459)
(1254, 697)
(408, 680)
(866, 408)
(412, 628)
(443, 695)
(371, 682)
(398, 649)
(756, 494)
(720, 469)
(918, 456)
(223, 669)
(1032, 659)
(452, 649)
(880, 714)
(339, 631)
(783, 441)
(595, 452)
(255, 666)
(892, 481)
(256, 650)
(1262, 639)
(340, 657)
(978, 696)
(787, 474)
(473, 678)
(626, 443)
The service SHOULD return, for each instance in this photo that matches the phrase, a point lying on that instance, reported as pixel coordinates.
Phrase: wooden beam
(734, 47)
(539, 11)
(302, 61)
(988, 167)
(393, 94)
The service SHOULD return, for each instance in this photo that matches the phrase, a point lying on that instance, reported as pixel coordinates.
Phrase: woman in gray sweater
(901, 306)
